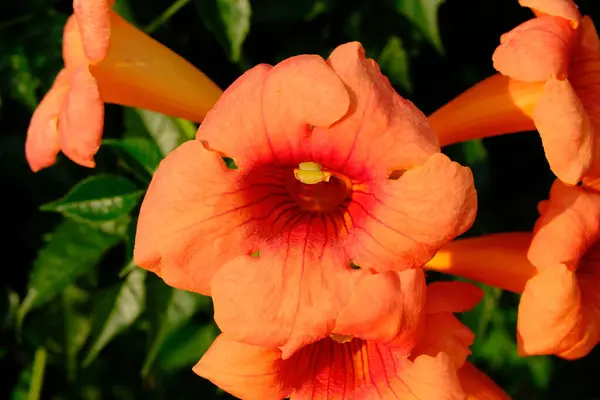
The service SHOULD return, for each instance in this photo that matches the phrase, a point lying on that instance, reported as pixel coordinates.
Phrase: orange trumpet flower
(557, 269)
(107, 60)
(315, 142)
(427, 363)
(550, 69)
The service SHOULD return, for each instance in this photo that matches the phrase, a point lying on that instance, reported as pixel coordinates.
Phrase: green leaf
(97, 198)
(395, 63)
(186, 346)
(229, 21)
(167, 132)
(24, 83)
(143, 151)
(170, 309)
(76, 328)
(423, 14)
(70, 251)
(119, 307)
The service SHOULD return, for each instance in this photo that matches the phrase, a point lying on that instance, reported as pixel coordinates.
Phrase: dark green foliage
(79, 320)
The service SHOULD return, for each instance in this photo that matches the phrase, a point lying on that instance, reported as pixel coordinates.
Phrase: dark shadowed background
(76, 322)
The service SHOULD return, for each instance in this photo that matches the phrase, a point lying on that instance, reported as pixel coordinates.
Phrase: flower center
(315, 189)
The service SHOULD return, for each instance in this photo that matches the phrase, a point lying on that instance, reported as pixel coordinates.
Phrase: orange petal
(43, 141)
(478, 386)
(569, 225)
(445, 333)
(236, 128)
(292, 295)
(381, 131)
(452, 297)
(72, 47)
(82, 118)
(427, 378)
(494, 106)
(94, 21)
(299, 92)
(190, 220)
(245, 371)
(536, 50)
(383, 305)
(411, 217)
(566, 9)
(140, 72)
(366, 371)
(566, 131)
(498, 260)
(551, 319)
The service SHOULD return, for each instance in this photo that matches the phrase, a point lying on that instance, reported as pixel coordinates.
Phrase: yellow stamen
(311, 173)
(341, 338)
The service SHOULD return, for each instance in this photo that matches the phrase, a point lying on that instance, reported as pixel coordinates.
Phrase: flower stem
(37, 379)
(164, 17)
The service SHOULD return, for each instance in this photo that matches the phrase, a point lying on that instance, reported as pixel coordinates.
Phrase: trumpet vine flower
(556, 268)
(315, 143)
(427, 363)
(107, 60)
(549, 73)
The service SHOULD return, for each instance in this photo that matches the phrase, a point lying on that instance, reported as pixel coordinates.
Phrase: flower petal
(292, 293)
(566, 9)
(43, 141)
(245, 371)
(72, 47)
(94, 22)
(430, 378)
(566, 131)
(494, 106)
(498, 260)
(82, 118)
(189, 221)
(235, 126)
(569, 225)
(445, 333)
(452, 297)
(140, 72)
(536, 50)
(299, 92)
(395, 302)
(551, 319)
(411, 217)
(478, 386)
(381, 131)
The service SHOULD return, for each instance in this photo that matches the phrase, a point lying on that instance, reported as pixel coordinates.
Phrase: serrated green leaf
(97, 198)
(395, 63)
(423, 14)
(167, 132)
(171, 309)
(185, 347)
(71, 250)
(229, 21)
(121, 306)
(144, 151)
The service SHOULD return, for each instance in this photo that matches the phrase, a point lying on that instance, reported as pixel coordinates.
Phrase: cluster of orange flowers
(313, 249)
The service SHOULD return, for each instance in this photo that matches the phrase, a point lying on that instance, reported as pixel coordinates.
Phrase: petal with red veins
(452, 297)
(292, 293)
(478, 386)
(191, 220)
(381, 131)
(402, 223)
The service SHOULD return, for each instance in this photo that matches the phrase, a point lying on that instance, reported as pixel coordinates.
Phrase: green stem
(168, 13)
(37, 379)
